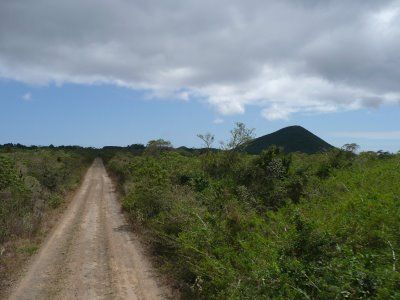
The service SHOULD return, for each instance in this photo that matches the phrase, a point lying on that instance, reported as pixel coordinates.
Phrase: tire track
(91, 254)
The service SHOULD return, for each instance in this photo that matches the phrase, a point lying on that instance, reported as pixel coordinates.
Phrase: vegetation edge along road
(35, 187)
(91, 254)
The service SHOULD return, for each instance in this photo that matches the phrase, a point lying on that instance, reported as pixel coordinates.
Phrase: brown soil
(91, 253)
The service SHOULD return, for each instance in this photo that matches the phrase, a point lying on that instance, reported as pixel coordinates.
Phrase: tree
(208, 139)
(136, 147)
(240, 135)
(156, 146)
(353, 147)
(383, 154)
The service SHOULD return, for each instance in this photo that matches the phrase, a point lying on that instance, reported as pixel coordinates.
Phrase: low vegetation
(32, 182)
(227, 224)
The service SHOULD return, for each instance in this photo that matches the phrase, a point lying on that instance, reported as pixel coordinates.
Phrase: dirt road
(91, 254)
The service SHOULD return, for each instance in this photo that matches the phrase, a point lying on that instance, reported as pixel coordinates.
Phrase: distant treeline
(21, 146)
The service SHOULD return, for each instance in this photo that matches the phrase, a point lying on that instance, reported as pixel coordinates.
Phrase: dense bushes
(32, 181)
(229, 225)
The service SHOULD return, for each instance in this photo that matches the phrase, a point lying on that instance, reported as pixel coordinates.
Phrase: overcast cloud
(284, 56)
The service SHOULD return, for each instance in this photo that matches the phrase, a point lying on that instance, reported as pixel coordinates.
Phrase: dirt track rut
(91, 254)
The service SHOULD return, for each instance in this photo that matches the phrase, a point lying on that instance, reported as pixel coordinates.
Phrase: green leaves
(8, 173)
(231, 226)
(32, 181)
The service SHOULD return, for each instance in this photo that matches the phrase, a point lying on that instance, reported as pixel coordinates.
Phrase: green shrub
(231, 226)
(33, 180)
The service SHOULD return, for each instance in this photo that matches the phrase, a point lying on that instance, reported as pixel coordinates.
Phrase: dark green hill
(292, 139)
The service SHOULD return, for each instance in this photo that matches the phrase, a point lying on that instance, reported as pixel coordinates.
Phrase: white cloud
(218, 121)
(285, 57)
(27, 96)
(372, 135)
(276, 112)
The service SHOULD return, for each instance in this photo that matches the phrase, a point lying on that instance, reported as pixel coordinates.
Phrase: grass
(28, 249)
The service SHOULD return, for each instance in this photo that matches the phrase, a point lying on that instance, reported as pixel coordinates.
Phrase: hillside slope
(292, 139)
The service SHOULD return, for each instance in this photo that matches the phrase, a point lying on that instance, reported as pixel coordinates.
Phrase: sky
(100, 72)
